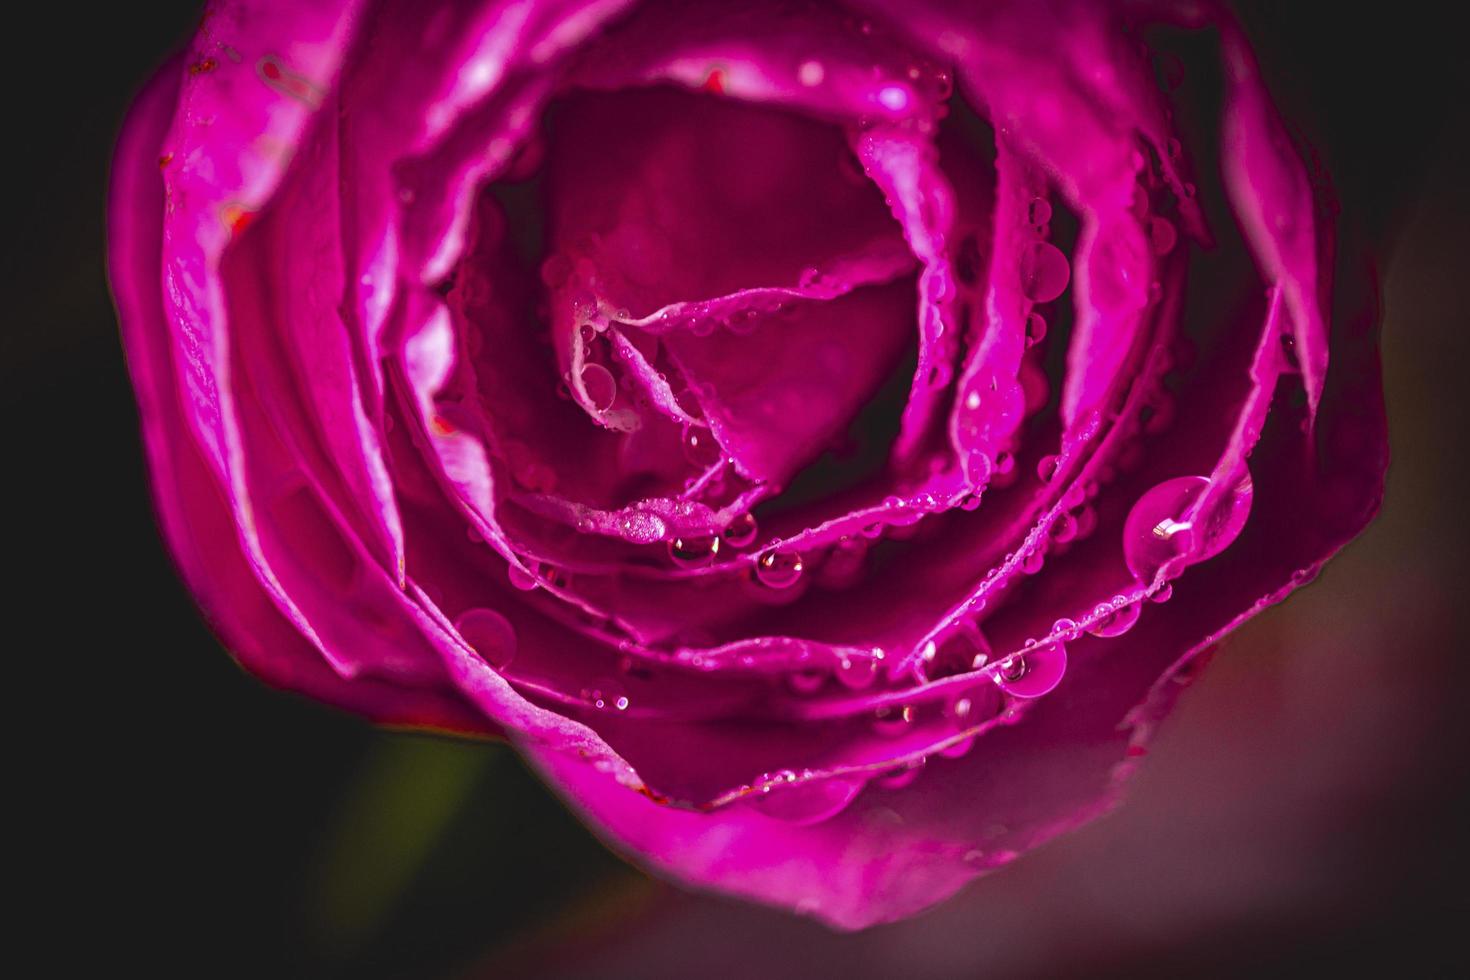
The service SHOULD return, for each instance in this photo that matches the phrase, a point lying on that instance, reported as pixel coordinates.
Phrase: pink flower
(823, 438)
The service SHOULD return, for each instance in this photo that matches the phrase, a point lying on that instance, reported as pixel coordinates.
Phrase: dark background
(1305, 807)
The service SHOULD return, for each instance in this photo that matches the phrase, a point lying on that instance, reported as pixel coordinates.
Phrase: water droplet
(806, 682)
(521, 578)
(1038, 212)
(857, 673)
(1035, 329)
(700, 447)
(1086, 522)
(606, 696)
(810, 73)
(892, 719)
(1173, 147)
(694, 552)
(1036, 672)
(1156, 533)
(778, 569)
(1031, 564)
(1164, 593)
(1161, 235)
(1117, 621)
(602, 390)
(1046, 467)
(741, 531)
(844, 564)
(967, 710)
(784, 797)
(1063, 528)
(490, 634)
(1044, 272)
(901, 776)
(960, 650)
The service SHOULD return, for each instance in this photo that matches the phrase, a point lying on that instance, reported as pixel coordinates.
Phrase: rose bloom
(823, 438)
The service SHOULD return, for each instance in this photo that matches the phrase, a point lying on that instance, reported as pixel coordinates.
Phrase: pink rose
(822, 437)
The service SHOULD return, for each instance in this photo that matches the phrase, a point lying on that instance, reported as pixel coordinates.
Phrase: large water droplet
(602, 390)
(1156, 532)
(1033, 673)
(490, 634)
(1117, 621)
(694, 552)
(778, 569)
(741, 531)
(957, 651)
(1044, 272)
(805, 802)
(521, 578)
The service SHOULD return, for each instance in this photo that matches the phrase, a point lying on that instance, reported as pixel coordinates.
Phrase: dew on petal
(521, 578)
(1161, 235)
(892, 719)
(805, 682)
(805, 802)
(694, 552)
(779, 569)
(857, 673)
(901, 776)
(491, 635)
(602, 390)
(1044, 272)
(700, 447)
(1156, 533)
(606, 696)
(961, 649)
(741, 531)
(1116, 621)
(1033, 673)
(1035, 329)
(1038, 212)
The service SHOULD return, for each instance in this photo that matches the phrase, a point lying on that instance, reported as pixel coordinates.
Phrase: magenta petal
(192, 508)
(738, 494)
(777, 395)
(892, 853)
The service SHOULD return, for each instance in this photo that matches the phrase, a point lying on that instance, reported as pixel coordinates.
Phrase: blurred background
(1305, 807)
